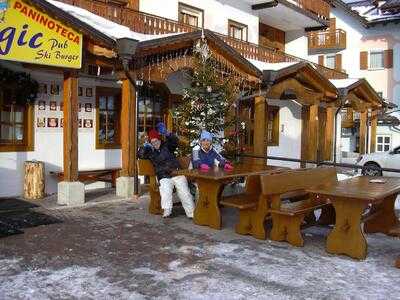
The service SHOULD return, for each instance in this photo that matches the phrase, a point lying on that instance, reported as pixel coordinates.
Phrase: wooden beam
(70, 127)
(260, 127)
(305, 111)
(363, 131)
(128, 129)
(313, 131)
(329, 132)
(170, 121)
(374, 124)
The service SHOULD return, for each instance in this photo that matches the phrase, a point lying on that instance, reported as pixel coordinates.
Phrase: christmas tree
(207, 104)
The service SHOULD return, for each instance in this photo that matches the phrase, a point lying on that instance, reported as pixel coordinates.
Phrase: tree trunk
(34, 180)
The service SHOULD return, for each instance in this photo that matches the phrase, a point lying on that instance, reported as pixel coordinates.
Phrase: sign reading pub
(29, 35)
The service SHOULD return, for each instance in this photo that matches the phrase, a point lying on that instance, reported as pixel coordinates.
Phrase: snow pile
(109, 28)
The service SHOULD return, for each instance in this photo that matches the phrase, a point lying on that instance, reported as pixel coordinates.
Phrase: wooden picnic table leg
(385, 219)
(347, 236)
(207, 210)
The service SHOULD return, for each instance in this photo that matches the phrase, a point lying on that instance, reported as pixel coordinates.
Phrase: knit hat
(153, 134)
(205, 135)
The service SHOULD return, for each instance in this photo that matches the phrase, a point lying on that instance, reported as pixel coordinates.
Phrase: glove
(147, 145)
(162, 129)
(204, 167)
(228, 167)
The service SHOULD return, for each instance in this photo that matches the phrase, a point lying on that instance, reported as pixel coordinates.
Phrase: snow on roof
(370, 12)
(343, 83)
(264, 66)
(109, 28)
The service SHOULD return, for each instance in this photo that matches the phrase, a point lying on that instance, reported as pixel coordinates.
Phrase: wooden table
(211, 183)
(350, 198)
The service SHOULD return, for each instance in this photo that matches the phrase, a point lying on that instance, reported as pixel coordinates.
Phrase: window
(237, 30)
(16, 125)
(190, 15)
(150, 108)
(108, 118)
(376, 60)
(383, 143)
(273, 126)
(330, 61)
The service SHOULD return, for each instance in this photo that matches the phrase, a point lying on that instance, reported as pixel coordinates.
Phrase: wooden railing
(319, 7)
(327, 40)
(151, 24)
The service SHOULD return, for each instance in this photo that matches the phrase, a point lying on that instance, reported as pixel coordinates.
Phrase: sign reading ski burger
(30, 35)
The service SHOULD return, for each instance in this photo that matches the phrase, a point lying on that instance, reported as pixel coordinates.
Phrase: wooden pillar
(374, 124)
(363, 131)
(260, 128)
(170, 121)
(313, 132)
(70, 127)
(305, 112)
(128, 129)
(329, 132)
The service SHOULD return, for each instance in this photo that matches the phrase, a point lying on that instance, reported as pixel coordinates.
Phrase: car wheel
(372, 169)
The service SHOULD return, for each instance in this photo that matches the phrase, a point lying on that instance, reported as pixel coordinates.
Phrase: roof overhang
(186, 40)
(285, 15)
(361, 90)
(303, 73)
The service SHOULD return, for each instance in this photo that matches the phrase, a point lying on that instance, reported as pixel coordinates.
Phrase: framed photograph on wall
(41, 122)
(55, 89)
(41, 105)
(80, 123)
(61, 106)
(43, 88)
(52, 122)
(88, 123)
(80, 91)
(89, 92)
(53, 105)
(88, 107)
(61, 122)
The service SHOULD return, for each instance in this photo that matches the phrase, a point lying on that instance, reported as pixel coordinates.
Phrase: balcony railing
(319, 7)
(151, 24)
(327, 40)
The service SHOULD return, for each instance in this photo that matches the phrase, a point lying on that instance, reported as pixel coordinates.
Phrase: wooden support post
(170, 121)
(313, 132)
(259, 128)
(363, 131)
(329, 132)
(128, 129)
(70, 129)
(374, 124)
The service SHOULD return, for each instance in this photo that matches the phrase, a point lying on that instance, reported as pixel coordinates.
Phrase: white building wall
(290, 125)
(296, 43)
(216, 13)
(48, 145)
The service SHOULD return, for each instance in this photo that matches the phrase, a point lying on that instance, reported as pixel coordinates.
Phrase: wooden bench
(105, 175)
(288, 217)
(145, 168)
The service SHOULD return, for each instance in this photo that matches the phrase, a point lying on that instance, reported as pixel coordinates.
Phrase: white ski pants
(166, 189)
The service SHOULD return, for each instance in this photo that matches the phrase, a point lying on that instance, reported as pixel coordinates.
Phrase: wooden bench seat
(86, 176)
(299, 207)
(146, 168)
(241, 201)
(287, 218)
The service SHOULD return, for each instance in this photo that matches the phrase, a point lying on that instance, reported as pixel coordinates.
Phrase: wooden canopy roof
(360, 95)
(302, 80)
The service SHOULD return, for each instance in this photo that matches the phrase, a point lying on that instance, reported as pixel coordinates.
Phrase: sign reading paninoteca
(29, 35)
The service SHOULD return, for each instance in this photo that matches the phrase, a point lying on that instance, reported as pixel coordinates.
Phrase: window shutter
(364, 60)
(338, 62)
(388, 59)
(321, 60)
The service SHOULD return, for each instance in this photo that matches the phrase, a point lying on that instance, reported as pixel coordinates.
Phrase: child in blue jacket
(204, 155)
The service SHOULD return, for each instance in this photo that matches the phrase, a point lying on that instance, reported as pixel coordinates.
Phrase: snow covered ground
(116, 250)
